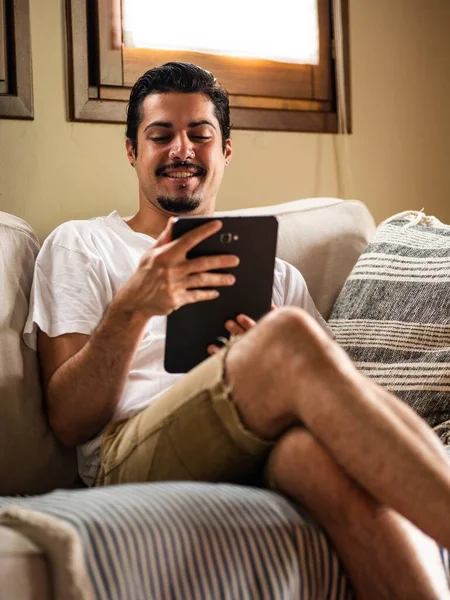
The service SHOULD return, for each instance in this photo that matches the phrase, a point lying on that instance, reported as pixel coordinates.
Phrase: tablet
(193, 327)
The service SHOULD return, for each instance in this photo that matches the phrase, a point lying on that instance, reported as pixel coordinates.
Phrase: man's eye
(201, 137)
(164, 138)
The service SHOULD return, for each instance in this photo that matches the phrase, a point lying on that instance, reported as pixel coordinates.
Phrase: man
(353, 454)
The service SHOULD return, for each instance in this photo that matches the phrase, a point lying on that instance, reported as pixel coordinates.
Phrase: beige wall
(52, 170)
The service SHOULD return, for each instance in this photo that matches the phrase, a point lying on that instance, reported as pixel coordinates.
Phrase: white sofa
(323, 238)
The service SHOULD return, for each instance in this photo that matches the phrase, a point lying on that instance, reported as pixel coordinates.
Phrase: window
(292, 40)
(16, 92)
(282, 92)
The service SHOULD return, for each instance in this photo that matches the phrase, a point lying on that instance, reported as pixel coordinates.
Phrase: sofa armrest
(24, 573)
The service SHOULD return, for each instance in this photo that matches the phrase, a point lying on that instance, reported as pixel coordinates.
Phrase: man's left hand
(242, 324)
(238, 327)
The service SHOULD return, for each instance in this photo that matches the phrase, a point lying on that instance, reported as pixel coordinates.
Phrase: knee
(292, 334)
(299, 442)
(289, 321)
(289, 316)
(302, 468)
(298, 450)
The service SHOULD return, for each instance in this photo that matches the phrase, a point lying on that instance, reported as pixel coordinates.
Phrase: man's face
(180, 160)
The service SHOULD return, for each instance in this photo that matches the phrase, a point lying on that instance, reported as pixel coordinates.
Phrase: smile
(180, 170)
(180, 175)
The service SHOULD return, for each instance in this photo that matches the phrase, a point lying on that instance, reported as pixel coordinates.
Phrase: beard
(178, 206)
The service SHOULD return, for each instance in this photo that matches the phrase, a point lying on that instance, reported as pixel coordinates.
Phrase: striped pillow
(393, 314)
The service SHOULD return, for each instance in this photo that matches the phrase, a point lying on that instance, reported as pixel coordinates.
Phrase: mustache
(181, 163)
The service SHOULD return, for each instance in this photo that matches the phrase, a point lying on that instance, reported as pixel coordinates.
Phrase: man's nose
(181, 149)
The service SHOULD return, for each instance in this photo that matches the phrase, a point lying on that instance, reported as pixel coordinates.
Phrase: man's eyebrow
(202, 122)
(159, 124)
(169, 125)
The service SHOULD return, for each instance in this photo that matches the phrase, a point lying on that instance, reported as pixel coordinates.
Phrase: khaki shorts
(192, 432)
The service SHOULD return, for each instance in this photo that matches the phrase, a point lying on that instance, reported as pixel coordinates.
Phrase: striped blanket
(393, 315)
(179, 541)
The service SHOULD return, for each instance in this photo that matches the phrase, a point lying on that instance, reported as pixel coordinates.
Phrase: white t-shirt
(79, 269)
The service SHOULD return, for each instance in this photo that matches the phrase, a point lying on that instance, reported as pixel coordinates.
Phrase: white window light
(284, 31)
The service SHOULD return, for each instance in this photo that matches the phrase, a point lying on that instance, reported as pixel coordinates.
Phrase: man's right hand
(99, 364)
(166, 279)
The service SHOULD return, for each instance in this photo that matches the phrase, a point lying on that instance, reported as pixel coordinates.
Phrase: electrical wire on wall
(345, 173)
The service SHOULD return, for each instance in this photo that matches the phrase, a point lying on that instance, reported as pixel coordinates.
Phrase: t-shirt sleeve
(70, 293)
(290, 289)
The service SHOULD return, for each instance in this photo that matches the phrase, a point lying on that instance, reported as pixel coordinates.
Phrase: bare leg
(287, 371)
(386, 557)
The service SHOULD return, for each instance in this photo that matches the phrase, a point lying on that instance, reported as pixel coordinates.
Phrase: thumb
(166, 235)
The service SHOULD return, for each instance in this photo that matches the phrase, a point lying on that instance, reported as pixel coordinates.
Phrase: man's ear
(130, 152)
(228, 151)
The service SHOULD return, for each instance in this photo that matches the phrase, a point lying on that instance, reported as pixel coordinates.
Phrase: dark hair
(177, 77)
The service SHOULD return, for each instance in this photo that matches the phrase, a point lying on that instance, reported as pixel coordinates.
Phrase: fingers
(192, 296)
(173, 252)
(211, 263)
(234, 328)
(212, 349)
(190, 239)
(238, 327)
(245, 322)
(242, 324)
(166, 235)
(200, 280)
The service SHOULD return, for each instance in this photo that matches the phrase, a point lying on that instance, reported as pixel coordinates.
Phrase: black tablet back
(193, 327)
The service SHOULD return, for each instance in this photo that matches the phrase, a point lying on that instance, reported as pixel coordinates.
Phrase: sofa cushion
(393, 314)
(323, 238)
(31, 461)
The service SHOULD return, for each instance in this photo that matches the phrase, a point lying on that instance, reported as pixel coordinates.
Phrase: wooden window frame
(16, 85)
(102, 71)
